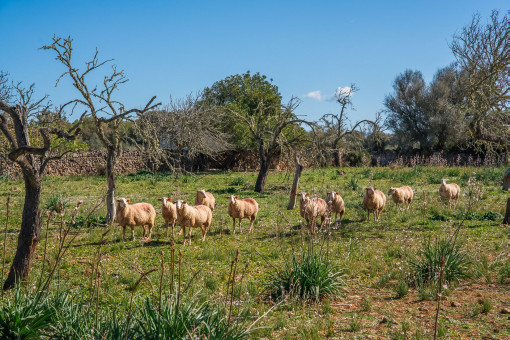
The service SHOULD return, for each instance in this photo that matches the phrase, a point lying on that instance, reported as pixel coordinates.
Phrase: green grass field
(374, 256)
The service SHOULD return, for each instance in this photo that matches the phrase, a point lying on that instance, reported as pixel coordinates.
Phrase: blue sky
(180, 47)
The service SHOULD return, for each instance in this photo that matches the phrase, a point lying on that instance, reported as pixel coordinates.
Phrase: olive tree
(106, 111)
(32, 150)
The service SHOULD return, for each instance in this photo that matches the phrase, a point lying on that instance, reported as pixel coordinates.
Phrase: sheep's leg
(189, 235)
(143, 230)
(234, 224)
(204, 231)
(251, 224)
(123, 233)
(150, 230)
(173, 225)
(132, 232)
(240, 229)
(168, 228)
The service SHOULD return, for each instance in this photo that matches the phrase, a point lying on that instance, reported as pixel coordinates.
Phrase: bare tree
(295, 184)
(482, 54)
(32, 153)
(185, 129)
(106, 112)
(275, 128)
(336, 126)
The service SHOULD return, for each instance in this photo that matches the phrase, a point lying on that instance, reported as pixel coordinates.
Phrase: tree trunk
(294, 190)
(337, 158)
(264, 168)
(111, 160)
(507, 213)
(30, 232)
(506, 180)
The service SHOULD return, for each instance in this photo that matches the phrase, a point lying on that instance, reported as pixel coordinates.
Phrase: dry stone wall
(85, 163)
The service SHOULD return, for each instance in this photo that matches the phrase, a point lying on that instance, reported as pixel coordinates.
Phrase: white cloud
(317, 95)
(314, 95)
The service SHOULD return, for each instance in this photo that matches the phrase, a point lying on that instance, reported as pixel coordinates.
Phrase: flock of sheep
(200, 214)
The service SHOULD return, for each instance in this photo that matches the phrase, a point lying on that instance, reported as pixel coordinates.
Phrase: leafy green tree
(256, 119)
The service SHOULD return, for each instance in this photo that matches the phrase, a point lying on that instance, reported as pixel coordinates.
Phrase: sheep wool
(450, 192)
(403, 195)
(205, 198)
(242, 208)
(312, 208)
(139, 214)
(169, 212)
(199, 216)
(335, 204)
(375, 201)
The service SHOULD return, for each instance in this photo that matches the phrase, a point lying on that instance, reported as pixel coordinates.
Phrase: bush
(26, 317)
(425, 268)
(358, 158)
(309, 276)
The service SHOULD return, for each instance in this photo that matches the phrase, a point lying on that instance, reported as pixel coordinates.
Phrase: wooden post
(294, 190)
(507, 214)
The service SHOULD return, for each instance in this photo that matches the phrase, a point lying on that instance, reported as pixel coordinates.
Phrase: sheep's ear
(307, 195)
(375, 189)
(168, 199)
(337, 193)
(237, 197)
(184, 202)
(118, 200)
(160, 199)
(227, 197)
(128, 200)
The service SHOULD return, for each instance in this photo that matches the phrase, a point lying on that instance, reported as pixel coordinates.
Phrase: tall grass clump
(309, 275)
(426, 267)
(26, 316)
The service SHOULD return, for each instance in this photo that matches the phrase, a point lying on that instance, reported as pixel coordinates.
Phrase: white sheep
(450, 192)
(242, 208)
(169, 212)
(205, 198)
(374, 200)
(139, 214)
(311, 209)
(335, 204)
(199, 216)
(403, 195)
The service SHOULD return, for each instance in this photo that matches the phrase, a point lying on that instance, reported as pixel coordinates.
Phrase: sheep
(199, 216)
(205, 198)
(133, 215)
(374, 200)
(336, 204)
(400, 195)
(450, 192)
(311, 209)
(242, 208)
(169, 212)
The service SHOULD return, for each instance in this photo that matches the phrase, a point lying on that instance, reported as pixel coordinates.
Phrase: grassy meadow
(374, 257)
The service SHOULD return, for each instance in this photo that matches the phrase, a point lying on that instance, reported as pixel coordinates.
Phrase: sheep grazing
(242, 208)
(311, 209)
(402, 195)
(205, 198)
(450, 192)
(374, 200)
(141, 214)
(335, 204)
(169, 212)
(199, 216)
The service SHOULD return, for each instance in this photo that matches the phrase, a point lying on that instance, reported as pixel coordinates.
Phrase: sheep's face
(164, 200)
(122, 202)
(303, 197)
(201, 193)
(391, 191)
(178, 204)
(232, 199)
(331, 196)
(443, 181)
(370, 191)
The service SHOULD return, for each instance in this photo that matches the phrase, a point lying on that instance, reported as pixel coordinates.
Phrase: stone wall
(84, 163)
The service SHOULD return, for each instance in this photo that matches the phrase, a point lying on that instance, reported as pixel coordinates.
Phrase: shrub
(238, 181)
(425, 268)
(401, 289)
(26, 316)
(308, 276)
